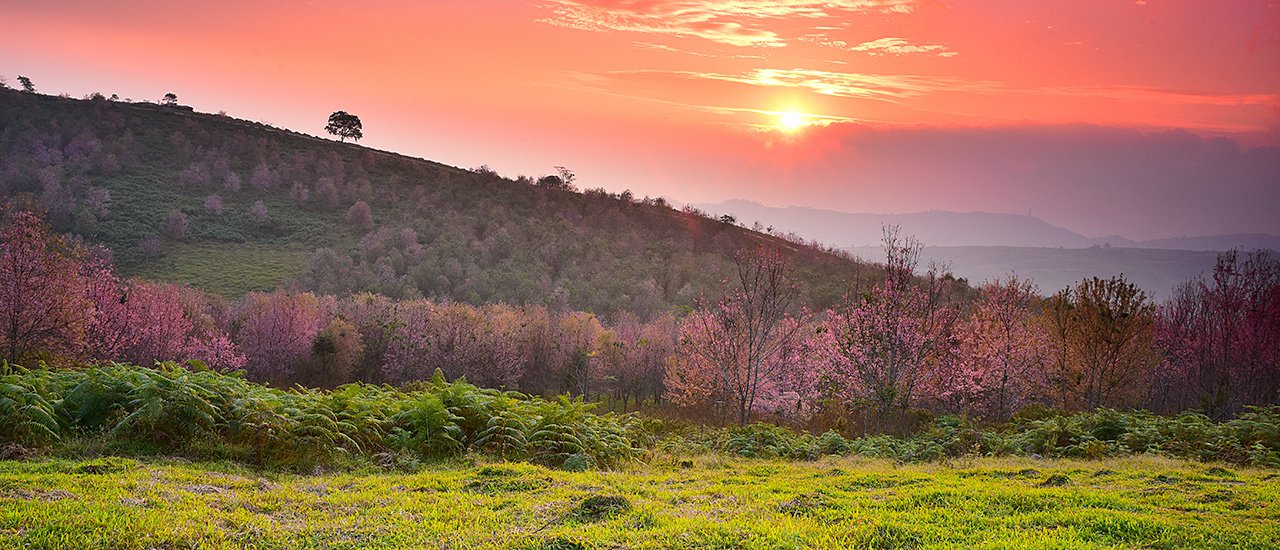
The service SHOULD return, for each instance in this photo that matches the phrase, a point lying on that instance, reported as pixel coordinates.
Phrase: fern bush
(27, 415)
(172, 409)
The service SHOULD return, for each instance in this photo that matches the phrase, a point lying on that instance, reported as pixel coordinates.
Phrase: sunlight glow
(791, 121)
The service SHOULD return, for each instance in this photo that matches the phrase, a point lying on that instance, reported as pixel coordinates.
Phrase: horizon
(1139, 120)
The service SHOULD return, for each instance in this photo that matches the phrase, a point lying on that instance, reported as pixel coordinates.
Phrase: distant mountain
(934, 228)
(1243, 241)
(958, 229)
(1155, 271)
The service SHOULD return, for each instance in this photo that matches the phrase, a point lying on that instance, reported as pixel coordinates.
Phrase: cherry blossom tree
(1221, 337)
(359, 216)
(218, 352)
(258, 213)
(165, 329)
(734, 347)
(887, 344)
(44, 300)
(1001, 353)
(277, 331)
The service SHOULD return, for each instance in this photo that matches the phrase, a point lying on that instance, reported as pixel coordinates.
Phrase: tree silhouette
(170, 99)
(344, 125)
(27, 86)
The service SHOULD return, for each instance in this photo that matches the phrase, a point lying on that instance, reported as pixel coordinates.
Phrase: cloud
(899, 46)
(732, 22)
(1151, 94)
(856, 85)
(885, 46)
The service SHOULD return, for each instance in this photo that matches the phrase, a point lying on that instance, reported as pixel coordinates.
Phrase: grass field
(707, 502)
(228, 269)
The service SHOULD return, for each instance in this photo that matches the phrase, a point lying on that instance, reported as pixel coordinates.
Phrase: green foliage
(171, 409)
(26, 415)
(1253, 438)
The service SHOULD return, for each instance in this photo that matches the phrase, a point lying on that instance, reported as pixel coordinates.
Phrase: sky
(1146, 119)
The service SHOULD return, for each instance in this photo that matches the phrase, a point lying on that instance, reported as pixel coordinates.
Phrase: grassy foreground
(709, 502)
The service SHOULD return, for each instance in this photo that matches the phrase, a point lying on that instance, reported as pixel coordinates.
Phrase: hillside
(230, 206)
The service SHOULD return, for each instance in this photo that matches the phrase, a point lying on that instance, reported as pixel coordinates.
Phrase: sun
(790, 121)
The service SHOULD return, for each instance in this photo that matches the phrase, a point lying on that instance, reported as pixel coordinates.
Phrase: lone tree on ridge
(344, 125)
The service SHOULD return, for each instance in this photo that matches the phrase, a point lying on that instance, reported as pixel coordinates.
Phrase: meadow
(179, 457)
(709, 501)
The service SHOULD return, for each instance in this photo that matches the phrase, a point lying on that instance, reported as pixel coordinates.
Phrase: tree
(345, 125)
(562, 179)
(277, 332)
(263, 178)
(44, 301)
(334, 353)
(169, 100)
(887, 345)
(176, 225)
(359, 216)
(998, 362)
(1103, 343)
(1221, 338)
(740, 345)
(27, 86)
(258, 213)
(213, 205)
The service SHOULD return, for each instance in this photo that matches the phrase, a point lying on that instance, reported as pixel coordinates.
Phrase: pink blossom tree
(44, 300)
(1221, 338)
(218, 352)
(885, 346)
(1001, 352)
(276, 333)
(359, 216)
(213, 205)
(165, 329)
(258, 213)
(735, 347)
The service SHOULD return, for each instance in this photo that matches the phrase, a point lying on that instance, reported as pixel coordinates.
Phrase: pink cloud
(732, 22)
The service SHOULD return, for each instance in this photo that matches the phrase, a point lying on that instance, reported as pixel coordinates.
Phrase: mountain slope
(231, 206)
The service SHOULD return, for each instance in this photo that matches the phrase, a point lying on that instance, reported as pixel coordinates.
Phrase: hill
(230, 206)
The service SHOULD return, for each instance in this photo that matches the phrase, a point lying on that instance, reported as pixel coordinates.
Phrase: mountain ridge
(944, 228)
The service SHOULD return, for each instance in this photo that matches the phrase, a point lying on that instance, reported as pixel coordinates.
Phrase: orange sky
(902, 105)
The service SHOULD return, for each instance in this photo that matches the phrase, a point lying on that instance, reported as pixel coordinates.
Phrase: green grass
(228, 269)
(715, 502)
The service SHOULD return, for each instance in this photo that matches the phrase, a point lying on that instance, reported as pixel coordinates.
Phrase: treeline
(150, 182)
(898, 350)
(902, 346)
(64, 306)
